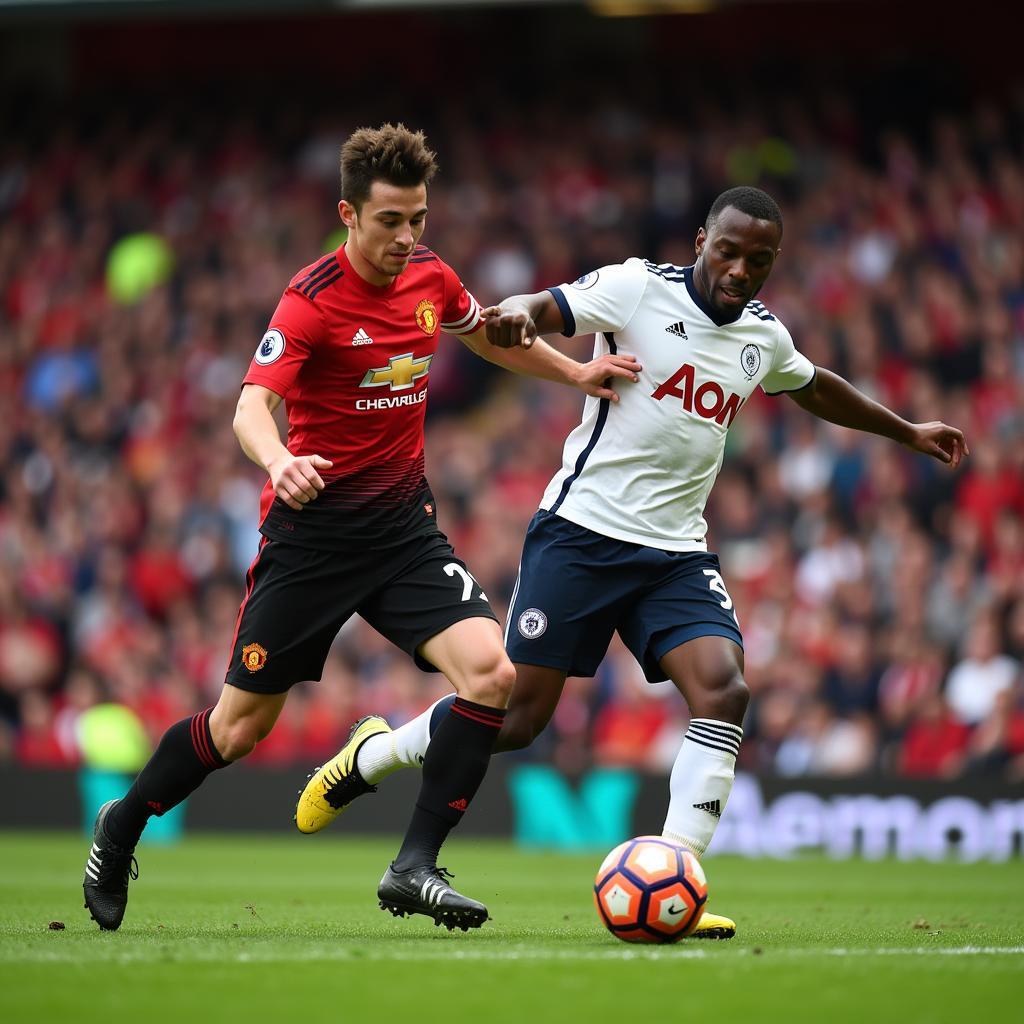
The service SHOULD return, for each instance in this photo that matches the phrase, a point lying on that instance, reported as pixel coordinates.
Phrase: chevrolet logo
(400, 372)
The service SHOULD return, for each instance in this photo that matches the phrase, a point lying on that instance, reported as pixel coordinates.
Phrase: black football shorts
(297, 599)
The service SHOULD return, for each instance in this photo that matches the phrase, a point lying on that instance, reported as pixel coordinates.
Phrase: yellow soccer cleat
(336, 783)
(713, 926)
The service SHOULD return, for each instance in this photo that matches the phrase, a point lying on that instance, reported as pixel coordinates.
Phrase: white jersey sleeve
(791, 370)
(603, 300)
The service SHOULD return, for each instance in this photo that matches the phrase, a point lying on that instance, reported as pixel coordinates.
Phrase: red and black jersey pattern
(380, 506)
(352, 362)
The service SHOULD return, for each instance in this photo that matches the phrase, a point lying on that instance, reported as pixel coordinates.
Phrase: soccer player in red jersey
(349, 525)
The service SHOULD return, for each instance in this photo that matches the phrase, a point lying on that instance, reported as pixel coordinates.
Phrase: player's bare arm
(517, 320)
(294, 477)
(509, 338)
(830, 397)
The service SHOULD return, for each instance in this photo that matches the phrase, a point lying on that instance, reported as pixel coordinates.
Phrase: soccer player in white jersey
(619, 540)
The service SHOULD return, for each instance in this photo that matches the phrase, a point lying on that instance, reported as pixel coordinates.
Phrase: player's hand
(296, 480)
(597, 376)
(508, 328)
(941, 442)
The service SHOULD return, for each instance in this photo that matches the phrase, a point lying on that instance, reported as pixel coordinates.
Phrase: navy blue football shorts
(576, 587)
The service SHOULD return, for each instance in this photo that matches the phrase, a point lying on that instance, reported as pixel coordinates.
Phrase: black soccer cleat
(424, 890)
(106, 876)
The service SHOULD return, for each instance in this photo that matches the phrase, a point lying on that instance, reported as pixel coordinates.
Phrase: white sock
(701, 781)
(406, 747)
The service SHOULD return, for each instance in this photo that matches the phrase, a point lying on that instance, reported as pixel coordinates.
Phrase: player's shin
(405, 747)
(185, 756)
(453, 768)
(701, 781)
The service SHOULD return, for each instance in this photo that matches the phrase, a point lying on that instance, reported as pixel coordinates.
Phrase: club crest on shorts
(750, 360)
(426, 317)
(533, 623)
(254, 657)
(271, 347)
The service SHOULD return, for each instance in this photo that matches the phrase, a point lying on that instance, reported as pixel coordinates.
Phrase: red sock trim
(479, 712)
(199, 730)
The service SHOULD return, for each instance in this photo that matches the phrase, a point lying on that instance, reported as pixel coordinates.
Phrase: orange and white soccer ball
(650, 889)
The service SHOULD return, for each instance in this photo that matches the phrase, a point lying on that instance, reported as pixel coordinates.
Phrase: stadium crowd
(881, 597)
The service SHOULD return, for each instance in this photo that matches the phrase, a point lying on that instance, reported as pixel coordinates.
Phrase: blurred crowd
(881, 596)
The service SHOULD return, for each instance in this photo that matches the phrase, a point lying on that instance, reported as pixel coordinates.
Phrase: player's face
(383, 233)
(734, 259)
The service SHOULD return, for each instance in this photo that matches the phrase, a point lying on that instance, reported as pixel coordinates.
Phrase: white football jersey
(641, 469)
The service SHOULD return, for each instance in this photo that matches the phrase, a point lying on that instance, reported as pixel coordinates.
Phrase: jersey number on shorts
(717, 585)
(453, 568)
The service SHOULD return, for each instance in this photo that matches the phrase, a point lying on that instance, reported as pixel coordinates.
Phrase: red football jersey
(352, 362)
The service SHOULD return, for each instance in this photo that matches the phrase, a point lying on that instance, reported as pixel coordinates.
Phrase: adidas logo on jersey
(711, 806)
(679, 330)
(361, 338)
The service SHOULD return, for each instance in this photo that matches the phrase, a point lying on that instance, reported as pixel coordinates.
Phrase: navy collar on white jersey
(714, 317)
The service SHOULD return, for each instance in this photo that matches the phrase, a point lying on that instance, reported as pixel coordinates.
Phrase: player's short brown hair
(390, 153)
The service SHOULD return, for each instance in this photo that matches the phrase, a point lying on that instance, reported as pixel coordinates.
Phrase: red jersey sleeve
(295, 330)
(461, 313)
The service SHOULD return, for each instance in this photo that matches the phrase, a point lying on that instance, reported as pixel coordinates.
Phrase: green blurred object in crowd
(114, 747)
(336, 239)
(137, 264)
(112, 739)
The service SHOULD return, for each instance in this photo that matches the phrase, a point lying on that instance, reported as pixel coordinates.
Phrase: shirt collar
(714, 317)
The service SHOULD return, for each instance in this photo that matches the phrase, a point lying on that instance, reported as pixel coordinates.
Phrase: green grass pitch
(258, 928)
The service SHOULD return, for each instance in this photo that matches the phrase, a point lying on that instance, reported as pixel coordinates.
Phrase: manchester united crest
(254, 657)
(426, 317)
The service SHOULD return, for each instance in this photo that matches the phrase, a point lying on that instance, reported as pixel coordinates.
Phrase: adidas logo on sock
(679, 330)
(460, 805)
(361, 338)
(711, 806)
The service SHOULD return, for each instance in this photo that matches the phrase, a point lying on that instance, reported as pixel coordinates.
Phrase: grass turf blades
(252, 928)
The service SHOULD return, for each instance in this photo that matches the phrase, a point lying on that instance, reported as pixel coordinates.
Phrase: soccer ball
(650, 889)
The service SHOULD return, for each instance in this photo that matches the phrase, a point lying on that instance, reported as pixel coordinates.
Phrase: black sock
(180, 763)
(453, 768)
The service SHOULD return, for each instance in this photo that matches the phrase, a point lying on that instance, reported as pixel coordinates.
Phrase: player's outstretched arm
(832, 398)
(509, 338)
(294, 477)
(517, 320)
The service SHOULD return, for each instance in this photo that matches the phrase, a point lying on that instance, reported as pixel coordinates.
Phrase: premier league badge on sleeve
(586, 281)
(750, 360)
(271, 347)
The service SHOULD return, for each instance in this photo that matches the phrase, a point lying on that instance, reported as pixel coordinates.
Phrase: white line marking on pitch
(446, 952)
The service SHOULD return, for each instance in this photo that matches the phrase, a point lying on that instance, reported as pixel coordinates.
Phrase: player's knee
(727, 699)
(492, 683)
(237, 739)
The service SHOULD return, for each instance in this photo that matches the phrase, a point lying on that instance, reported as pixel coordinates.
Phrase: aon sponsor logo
(706, 399)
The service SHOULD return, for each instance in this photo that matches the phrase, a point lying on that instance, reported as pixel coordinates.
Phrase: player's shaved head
(390, 153)
(751, 201)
